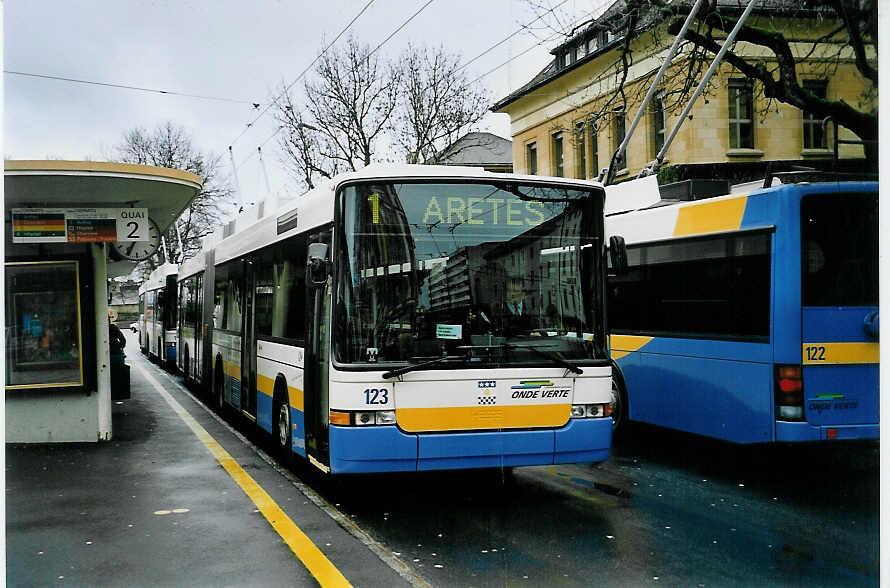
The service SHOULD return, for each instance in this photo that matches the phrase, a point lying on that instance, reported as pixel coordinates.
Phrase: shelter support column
(103, 357)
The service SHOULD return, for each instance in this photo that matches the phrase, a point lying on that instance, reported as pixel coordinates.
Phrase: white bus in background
(192, 331)
(157, 296)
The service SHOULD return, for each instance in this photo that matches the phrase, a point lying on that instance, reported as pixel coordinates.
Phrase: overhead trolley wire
(128, 87)
(391, 35)
(303, 73)
(510, 36)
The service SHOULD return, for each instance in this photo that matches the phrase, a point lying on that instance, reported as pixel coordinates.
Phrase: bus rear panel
(752, 318)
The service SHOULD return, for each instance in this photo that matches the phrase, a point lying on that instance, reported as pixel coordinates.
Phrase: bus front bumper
(356, 450)
(801, 432)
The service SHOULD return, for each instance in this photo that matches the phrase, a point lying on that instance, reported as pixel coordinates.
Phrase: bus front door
(316, 362)
(248, 349)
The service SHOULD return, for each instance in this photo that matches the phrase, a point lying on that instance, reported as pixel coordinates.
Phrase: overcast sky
(227, 49)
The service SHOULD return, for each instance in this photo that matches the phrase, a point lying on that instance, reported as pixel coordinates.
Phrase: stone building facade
(565, 122)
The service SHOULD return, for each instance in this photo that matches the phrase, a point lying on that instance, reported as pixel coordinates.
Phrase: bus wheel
(282, 428)
(619, 409)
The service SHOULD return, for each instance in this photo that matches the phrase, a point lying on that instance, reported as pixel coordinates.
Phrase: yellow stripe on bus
(622, 345)
(309, 554)
(463, 418)
(233, 370)
(266, 386)
(840, 353)
(710, 217)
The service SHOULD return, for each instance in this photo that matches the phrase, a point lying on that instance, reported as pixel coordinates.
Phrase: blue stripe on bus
(355, 450)
(264, 410)
(387, 449)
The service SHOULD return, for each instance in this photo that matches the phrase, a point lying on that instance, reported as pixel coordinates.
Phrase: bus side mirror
(618, 254)
(317, 263)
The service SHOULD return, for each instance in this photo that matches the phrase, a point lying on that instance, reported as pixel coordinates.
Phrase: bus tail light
(789, 393)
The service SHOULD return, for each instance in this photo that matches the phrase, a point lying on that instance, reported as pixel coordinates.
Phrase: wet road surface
(666, 509)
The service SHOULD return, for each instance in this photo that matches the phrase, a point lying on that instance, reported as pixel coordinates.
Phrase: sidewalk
(154, 507)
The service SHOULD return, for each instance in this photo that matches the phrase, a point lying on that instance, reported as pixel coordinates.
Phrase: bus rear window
(839, 237)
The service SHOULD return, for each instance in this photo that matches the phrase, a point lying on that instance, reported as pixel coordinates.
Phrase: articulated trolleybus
(157, 303)
(413, 318)
(751, 318)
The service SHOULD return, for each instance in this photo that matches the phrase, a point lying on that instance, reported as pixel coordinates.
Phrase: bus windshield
(470, 271)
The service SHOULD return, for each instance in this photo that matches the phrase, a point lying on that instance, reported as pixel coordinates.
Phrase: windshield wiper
(547, 355)
(416, 366)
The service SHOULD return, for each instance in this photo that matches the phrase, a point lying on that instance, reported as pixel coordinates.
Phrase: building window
(658, 122)
(580, 152)
(594, 149)
(813, 135)
(741, 120)
(531, 158)
(43, 336)
(618, 124)
(558, 170)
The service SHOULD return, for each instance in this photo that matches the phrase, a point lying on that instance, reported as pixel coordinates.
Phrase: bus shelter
(71, 226)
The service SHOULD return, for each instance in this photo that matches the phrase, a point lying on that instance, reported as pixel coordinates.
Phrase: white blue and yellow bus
(157, 299)
(752, 317)
(415, 318)
(192, 332)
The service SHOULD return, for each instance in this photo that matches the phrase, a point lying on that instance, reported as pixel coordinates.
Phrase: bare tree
(302, 144)
(350, 102)
(852, 31)
(438, 104)
(170, 146)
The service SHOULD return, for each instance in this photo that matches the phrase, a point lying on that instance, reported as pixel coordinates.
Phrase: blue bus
(751, 318)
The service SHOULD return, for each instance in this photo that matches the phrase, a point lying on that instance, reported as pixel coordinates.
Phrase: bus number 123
(376, 396)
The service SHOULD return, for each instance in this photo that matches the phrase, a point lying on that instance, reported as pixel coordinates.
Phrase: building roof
(613, 21)
(478, 149)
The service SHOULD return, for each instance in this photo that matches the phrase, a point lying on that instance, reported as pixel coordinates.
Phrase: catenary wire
(128, 87)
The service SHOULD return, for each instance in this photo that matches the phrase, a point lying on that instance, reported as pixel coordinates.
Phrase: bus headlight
(363, 418)
(591, 411)
(386, 417)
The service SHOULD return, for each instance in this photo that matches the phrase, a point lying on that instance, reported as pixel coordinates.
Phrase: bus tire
(281, 427)
(620, 406)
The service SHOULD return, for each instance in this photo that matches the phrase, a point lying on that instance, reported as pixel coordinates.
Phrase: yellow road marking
(303, 547)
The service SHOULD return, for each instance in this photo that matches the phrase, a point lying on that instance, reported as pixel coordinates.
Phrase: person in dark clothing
(116, 339)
